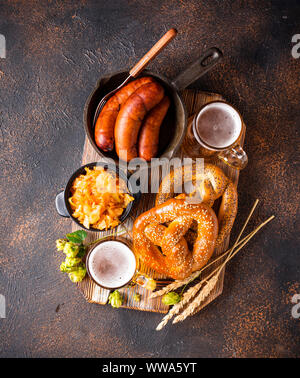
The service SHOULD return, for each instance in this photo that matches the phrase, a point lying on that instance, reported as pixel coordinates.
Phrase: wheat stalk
(211, 280)
(210, 285)
(192, 291)
(175, 285)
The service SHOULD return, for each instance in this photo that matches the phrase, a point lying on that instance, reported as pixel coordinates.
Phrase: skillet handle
(197, 69)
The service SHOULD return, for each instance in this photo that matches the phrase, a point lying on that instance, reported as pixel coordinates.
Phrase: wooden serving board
(95, 294)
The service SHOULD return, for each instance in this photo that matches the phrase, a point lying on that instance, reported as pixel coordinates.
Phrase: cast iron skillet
(174, 125)
(63, 206)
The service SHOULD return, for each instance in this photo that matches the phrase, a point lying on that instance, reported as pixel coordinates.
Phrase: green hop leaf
(115, 299)
(171, 298)
(77, 236)
(81, 251)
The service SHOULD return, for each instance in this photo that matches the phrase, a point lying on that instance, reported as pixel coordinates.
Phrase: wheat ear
(213, 281)
(210, 285)
(174, 285)
(187, 296)
(194, 289)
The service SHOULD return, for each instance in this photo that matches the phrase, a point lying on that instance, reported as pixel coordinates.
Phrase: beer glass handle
(235, 157)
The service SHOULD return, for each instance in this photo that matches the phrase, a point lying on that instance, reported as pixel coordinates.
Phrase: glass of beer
(111, 264)
(217, 130)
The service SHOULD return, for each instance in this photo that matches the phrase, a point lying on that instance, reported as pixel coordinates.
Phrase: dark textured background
(56, 51)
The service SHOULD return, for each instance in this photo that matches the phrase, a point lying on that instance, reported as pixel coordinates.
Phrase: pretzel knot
(213, 184)
(164, 248)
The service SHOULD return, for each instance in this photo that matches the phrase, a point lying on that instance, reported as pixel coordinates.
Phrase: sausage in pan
(104, 129)
(131, 116)
(149, 134)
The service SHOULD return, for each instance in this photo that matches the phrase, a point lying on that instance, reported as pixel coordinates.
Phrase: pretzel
(213, 184)
(176, 260)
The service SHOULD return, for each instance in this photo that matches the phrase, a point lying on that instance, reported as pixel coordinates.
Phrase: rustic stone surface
(55, 54)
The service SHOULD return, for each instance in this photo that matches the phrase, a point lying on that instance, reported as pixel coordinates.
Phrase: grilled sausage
(149, 134)
(131, 116)
(104, 129)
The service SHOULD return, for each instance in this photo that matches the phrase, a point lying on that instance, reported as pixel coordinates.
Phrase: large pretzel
(213, 184)
(175, 260)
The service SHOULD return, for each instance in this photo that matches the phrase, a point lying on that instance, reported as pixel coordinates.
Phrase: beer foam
(112, 264)
(218, 125)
